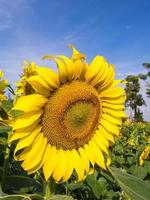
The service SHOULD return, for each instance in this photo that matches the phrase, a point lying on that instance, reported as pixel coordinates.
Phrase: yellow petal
(62, 68)
(1, 74)
(109, 79)
(94, 68)
(76, 160)
(35, 156)
(108, 162)
(76, 55)
(99, 158)
(84, 159)
(99, 143)
(39, 85)
(109, 126)
(27, 119)
(27, 141)
(102, 138)
(113, 106)
(36, 168)
(79, 70)
(61, 166)
(114, 113)
(30, 103)
(101, 76)
(22, 156)
(113, 92)
(89, 153)
(46, 153)
(114, 120)
(50, 163)
(49, 76)
(117, 82)
(69, 66)
(106, 134)
(69, 168)
(17, 136)
(83, 69)
(115, 101)
(30, 128)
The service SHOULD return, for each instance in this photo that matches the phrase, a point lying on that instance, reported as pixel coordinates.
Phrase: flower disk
(72, 117)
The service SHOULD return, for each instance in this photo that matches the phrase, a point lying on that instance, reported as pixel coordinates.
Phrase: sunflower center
(77, 115)
(71, 115)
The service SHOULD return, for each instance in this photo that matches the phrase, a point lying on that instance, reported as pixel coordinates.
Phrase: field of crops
(98, 185)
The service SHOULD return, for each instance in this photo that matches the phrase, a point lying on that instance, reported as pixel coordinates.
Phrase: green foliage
(134, 187)
(96, 184)
(146, 65)
(145, 77)
(134, 99)
(126, 152)
(16, 113)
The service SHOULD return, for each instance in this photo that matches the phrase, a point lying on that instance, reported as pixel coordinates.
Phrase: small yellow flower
(3, 86)
(148, 140)
(144, 155)
(70, 117)
(131, 142)
(23, 87)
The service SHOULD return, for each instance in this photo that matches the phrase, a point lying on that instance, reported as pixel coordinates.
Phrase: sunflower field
(66, 135)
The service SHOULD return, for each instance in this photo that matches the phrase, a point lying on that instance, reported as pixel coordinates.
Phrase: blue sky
(116, 29)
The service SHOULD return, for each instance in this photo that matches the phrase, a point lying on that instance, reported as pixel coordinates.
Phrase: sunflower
(3, 86)
(3, 112)
(23, 87)
(70, 119)
(144, 155)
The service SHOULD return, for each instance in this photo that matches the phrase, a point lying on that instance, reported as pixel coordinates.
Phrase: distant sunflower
(3, 113)
(144, 155)
(70, 119)
(23, 87)
(3, 86)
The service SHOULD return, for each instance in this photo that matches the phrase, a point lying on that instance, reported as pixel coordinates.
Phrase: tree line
(134, 99)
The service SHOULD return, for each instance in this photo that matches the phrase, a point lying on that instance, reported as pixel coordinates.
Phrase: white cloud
(5, 19)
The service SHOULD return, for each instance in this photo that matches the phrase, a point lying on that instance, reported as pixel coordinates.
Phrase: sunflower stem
(5, 167)
(49, 188)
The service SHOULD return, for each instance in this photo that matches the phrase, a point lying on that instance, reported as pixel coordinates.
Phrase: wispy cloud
(9, 10)
(5, 19)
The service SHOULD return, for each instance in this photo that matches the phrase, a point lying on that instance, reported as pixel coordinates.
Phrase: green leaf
(134, 187)
(75, 186)
(3, 141)
(4, 196)
(61, 197)
(95, 185)
(22, 184)
(107, 176)
(5, 129)
(16, 113)
(147, 166)
(15, 197)
(138, 171)
(7, 105)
